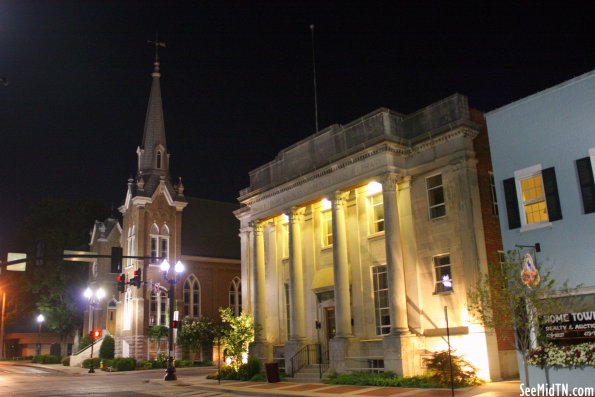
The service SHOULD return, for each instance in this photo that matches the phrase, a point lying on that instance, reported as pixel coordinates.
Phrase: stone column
(399, 352)
(341, 267)
(339, 346)
(260, 348)
(259, 309)
(296, 275)
(394, 256)
(246, 264)
(297, 334)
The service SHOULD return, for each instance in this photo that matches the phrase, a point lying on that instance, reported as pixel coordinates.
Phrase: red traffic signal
(121, 282)
(175, 324)
(95, 334)
(136, 280)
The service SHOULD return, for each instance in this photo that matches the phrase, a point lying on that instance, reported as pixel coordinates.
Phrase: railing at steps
(309, 355)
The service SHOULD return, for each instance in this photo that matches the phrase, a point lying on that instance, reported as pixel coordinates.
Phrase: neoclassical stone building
(159, 220)
(359, 236)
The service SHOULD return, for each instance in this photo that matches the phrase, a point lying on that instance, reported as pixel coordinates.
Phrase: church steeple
(153, 158)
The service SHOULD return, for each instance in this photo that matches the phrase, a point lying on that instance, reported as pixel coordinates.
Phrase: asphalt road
(28, 381)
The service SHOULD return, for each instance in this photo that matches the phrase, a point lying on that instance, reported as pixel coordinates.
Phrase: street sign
(18, 267)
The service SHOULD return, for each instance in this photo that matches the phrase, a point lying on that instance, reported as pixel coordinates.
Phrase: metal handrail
(310, 354)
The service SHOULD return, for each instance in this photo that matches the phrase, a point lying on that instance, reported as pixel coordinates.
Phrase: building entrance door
(329, 319)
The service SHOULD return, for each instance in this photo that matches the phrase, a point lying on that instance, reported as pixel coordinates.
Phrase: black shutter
(512, 204)
(585, 178)
(554, 210)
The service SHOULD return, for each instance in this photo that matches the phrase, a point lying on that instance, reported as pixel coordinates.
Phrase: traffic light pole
(170, 373)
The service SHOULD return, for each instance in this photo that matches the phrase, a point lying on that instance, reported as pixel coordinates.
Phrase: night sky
(237, 80)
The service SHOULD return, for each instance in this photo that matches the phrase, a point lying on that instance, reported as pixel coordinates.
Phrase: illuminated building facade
(160, 221)
(543, 148)
(357, 237)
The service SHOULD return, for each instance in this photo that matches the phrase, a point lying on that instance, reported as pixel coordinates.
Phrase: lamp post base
(91, 369)
(170, 372)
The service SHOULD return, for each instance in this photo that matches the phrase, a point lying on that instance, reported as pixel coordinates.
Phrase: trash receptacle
(272, 370)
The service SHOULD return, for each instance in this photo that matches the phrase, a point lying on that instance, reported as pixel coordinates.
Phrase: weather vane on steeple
(157, 44)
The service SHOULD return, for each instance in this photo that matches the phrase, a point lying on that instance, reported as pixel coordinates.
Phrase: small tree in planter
(156, 333)
(513, 298)
(237, 333)
(196, 335)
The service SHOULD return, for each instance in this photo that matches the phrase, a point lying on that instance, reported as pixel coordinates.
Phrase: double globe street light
(170, 373)
(94, 296)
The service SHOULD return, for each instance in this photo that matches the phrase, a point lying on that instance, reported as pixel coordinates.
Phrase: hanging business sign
(529, 273)
(578, 326)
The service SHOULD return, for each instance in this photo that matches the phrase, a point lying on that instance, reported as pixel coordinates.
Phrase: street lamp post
(94, 297)
(40, 320)
(170, 373)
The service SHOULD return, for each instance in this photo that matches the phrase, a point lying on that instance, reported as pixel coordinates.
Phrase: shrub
(87, 362)
(227, 372)
(251, 368)
(66, 361)
(160, 361)
(107, 347)
(107, 363)
(463, 373)
(147, 365)
(123, 364)
(381, 379)
(206, 363)
(84, 342)
(183, 363)
(258, 378)
(47, 359)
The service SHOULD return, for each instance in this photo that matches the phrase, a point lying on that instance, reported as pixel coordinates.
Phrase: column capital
(295, 214)
(257, 226)
(388, 181)
(246, 230)
(339, 197)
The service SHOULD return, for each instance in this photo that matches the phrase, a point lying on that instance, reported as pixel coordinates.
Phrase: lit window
(443, 273)
(191, 297)
(327, 228)
(159, 242)
(381, 305)
(493, 194)
(376, 206)
(235, 296)
(127, 310)
(532, 198)
(158, 308)
(130, 248)
(436, 196)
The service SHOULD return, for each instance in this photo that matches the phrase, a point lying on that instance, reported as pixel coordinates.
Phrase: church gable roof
(209, 228)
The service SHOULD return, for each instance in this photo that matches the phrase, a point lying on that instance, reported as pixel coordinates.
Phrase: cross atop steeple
(157, 44)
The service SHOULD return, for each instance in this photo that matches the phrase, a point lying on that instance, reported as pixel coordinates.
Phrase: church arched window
(130, 245)
(158, 159)
(159, 242)
(235, 296)
(158, 308)
(192, 297)
(128, 310)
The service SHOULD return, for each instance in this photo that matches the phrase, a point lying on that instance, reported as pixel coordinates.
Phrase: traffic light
(95, 334)
(175, 324)
(116, 265)
(136, 280)
(121, 282)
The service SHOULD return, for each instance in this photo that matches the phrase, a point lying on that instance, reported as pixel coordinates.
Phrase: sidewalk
(495, 389)
(287, 388)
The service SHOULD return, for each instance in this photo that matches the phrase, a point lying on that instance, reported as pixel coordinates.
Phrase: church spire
(153, 158)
